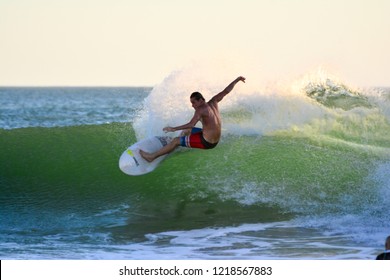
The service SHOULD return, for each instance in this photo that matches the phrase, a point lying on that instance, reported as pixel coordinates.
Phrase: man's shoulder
(212, 103)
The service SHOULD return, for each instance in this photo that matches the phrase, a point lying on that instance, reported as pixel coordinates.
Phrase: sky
(139, 43)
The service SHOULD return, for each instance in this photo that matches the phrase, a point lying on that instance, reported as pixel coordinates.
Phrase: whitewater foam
(246, 111)
(249, 241)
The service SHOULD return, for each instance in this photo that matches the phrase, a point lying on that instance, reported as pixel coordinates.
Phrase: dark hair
(197, 95)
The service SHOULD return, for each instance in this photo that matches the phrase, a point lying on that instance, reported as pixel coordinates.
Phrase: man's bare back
(211, 121)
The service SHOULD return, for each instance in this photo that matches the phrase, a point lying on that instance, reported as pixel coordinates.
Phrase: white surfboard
(131, 161)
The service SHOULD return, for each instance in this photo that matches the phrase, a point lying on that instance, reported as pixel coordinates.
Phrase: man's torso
(211, 121)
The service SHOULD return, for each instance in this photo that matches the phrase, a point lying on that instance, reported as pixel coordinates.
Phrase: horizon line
(75, 86)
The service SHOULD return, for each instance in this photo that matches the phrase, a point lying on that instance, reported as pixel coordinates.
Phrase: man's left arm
(228, 89)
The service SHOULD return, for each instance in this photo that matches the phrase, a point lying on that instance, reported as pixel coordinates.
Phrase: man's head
(196, 99)
(197, 96)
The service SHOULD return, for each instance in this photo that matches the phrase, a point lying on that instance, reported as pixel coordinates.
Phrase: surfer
(193, 137)
(386, 254)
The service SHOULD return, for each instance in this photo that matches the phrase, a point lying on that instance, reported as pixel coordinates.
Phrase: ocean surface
(302, 172)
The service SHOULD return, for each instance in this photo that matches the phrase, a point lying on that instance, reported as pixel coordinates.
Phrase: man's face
(196, 103)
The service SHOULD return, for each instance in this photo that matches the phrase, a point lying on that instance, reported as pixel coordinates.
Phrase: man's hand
(241, 78)
(168, 129)
(185, 132)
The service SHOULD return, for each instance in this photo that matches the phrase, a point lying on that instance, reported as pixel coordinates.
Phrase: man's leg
(164, 150)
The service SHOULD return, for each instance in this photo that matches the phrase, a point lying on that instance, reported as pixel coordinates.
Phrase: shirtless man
(208, 114)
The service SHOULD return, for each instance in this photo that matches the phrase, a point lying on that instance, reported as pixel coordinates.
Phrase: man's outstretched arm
(188, 125)
(228, 89)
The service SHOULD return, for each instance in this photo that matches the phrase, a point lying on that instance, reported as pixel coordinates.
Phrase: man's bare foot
(148, 157)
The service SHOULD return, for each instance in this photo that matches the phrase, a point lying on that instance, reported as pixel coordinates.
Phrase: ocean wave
(283, 156)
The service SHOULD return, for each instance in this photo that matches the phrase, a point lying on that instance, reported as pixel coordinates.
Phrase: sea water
(301, 172)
